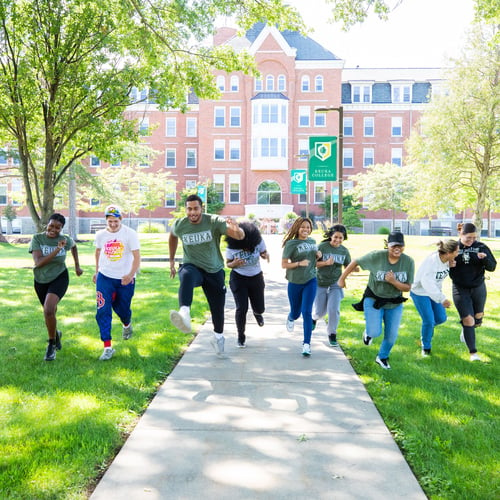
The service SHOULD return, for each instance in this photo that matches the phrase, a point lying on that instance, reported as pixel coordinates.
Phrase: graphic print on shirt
(306, 247)
(113, 249)
(337, 258)
(47, 250)
(441, 275)
(250, 258)
(197, 238)
(400, 276)
(465, 253)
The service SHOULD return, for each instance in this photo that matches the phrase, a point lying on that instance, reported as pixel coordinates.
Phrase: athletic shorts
(57, 286)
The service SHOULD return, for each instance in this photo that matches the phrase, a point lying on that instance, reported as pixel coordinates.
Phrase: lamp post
(340, 165)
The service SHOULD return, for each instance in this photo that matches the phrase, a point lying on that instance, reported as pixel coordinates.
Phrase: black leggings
(469, 302)
(246, 288)
(213, 287)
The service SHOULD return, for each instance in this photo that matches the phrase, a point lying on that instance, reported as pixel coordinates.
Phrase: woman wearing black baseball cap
(391, 274)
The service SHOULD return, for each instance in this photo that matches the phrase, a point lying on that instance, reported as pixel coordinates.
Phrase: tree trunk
(72, 204)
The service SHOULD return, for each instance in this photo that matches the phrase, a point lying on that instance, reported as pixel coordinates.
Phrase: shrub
(153, 227)
(383, 230)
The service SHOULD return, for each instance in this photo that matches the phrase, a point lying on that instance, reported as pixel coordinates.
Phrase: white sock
(184, 310)
(218, 335)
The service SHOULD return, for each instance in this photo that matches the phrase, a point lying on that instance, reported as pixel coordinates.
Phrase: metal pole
(307, 195)
(340, 155)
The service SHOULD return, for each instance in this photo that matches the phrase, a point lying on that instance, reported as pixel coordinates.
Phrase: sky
(419, 33)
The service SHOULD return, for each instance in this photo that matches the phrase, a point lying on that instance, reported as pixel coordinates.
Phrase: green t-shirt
(201, 242)
(378, 264)
(46, 245)
(328, 275)
(297, 250)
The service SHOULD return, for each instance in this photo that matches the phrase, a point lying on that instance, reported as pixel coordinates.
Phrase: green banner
(322, 158)
(298, 184)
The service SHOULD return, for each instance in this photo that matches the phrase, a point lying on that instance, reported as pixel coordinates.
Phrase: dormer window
(401, 93)
(361, 93)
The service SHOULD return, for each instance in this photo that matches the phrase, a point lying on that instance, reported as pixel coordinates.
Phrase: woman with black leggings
(469, 289)
(246, 279)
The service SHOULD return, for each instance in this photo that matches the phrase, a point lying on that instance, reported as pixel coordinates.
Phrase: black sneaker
(332, 338)
(314, 324)
(259, 318)
(366, 340)
(426, 352)
(50, 354)
(58, 340)
(384, 363)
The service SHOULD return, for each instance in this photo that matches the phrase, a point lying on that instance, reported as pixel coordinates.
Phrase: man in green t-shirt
(202, 264)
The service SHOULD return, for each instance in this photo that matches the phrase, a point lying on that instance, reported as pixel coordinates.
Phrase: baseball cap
(396, 238)
(112, 210)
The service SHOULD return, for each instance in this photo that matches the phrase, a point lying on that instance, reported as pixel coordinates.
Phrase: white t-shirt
(116, 258)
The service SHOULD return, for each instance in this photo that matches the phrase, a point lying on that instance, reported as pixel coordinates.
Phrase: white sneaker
(306, 350)
(289, 325)
(218, 345)
(127, 331)
(181, 321)
(475, 357)
(107, 354)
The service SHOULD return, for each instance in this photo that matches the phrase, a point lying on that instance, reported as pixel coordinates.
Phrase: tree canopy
(69, 69)
(456, 151)
(351, 12)
(384, 187)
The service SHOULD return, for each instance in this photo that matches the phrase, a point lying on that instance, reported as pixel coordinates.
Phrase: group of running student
(316, 281)
(316, 277)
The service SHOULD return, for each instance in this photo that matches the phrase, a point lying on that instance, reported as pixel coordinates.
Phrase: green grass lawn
(62, 422)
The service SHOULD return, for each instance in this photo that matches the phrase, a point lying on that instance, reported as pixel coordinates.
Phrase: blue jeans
(375, 317)
(432, 314)
(112, 296)
(301, 298)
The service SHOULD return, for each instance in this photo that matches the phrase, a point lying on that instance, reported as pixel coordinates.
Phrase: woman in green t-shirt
(49, 251)
(300, 253)
(391, 274)
(334, 257)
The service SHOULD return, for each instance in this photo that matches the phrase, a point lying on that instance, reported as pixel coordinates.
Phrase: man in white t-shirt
(117, 258)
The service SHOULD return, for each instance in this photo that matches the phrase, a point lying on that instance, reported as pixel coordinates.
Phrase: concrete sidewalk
(262, 423)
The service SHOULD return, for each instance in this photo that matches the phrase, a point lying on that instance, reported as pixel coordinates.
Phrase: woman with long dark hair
(335, 256)
(300, 253)
(246, 279)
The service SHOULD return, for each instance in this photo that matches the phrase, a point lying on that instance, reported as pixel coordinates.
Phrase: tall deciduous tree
(68, 67)
(456, 151)
(384, 187)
